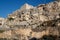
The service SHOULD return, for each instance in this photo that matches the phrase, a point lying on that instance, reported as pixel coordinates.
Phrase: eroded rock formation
(33, 23)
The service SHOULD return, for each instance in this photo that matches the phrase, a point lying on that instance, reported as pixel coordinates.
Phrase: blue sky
(8, 6)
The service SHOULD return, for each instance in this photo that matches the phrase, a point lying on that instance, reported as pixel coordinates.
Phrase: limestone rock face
(1, 21)
(26, 7)
(32, 23)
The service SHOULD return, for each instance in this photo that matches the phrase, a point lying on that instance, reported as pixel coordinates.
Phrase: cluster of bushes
(3, 38)
(1, 31)
(11, 18)
(46, 37)
(49, 37)
(7, 39)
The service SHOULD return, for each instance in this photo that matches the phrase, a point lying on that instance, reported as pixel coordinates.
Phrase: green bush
(11, 19)
(49, 37)
(3, 38)
(1, 31)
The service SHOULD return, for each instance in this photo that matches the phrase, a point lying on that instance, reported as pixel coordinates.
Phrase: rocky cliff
(32, 23)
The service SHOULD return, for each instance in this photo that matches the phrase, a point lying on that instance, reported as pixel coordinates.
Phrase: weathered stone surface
(32, 23)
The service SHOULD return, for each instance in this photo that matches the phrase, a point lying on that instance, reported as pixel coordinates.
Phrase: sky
(9, 6)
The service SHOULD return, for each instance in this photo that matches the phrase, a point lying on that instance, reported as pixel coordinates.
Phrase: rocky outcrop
(33, 23)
